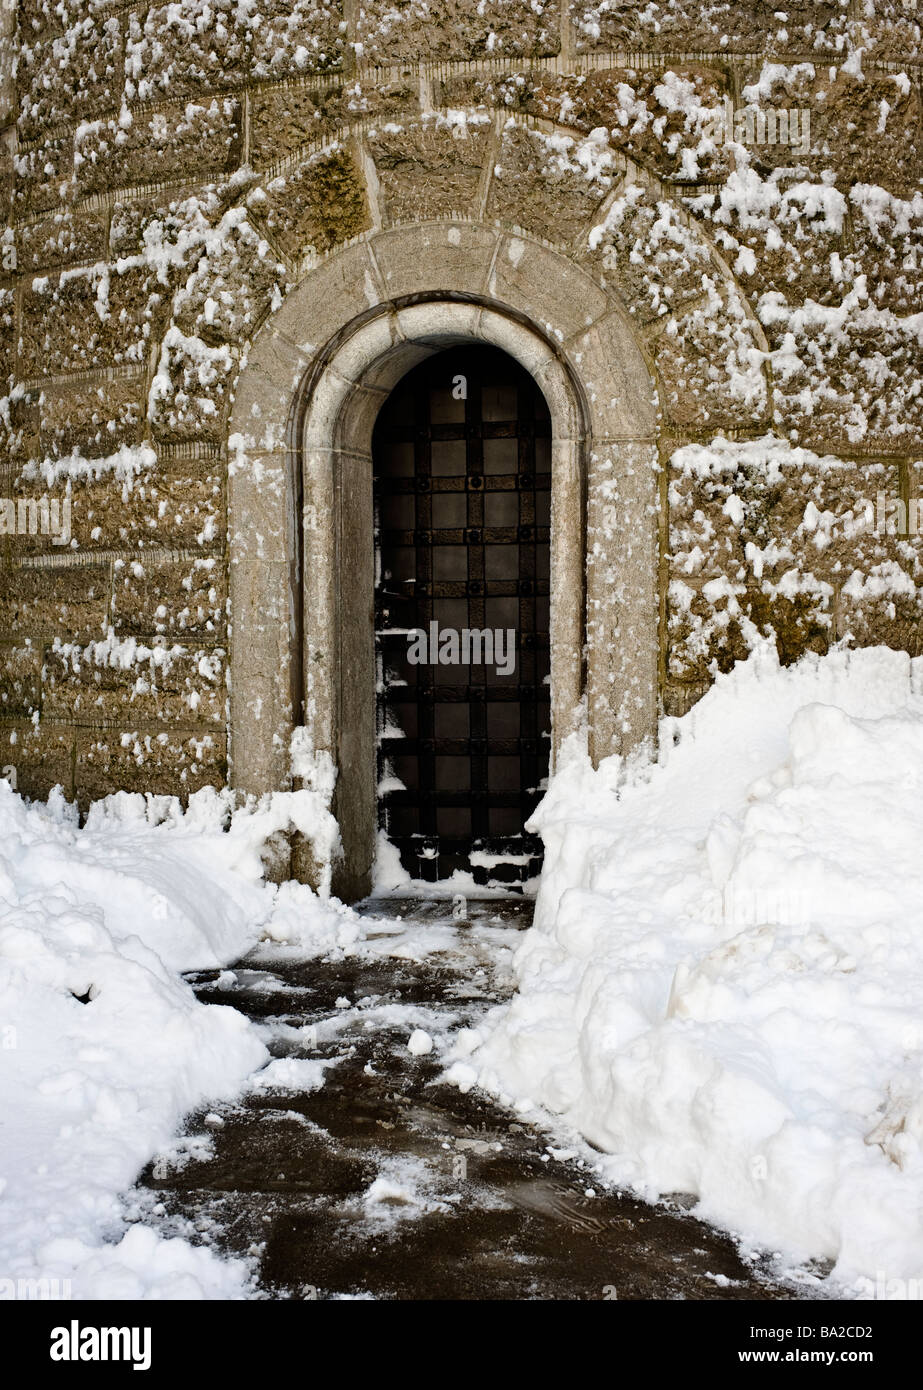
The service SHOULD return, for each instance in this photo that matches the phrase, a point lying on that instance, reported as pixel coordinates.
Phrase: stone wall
(169, 173)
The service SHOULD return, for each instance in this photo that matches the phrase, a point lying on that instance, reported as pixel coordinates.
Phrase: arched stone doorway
(343, 398)
(301, 500)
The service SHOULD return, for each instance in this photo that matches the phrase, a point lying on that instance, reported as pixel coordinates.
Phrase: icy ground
(351, 1169)
(721, 993)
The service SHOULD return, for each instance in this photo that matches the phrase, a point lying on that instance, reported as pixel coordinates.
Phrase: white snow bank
(723, 985)
(103, 1047)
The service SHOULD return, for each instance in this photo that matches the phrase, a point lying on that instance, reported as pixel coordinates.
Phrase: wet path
(361, 1174)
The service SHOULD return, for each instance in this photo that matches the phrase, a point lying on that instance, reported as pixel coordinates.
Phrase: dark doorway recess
(462, 463)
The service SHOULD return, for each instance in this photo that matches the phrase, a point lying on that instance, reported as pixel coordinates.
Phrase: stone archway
(301, 497)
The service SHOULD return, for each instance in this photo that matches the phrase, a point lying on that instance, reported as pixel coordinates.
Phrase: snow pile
(722, 987)
(103, 1047)
(405, 1189)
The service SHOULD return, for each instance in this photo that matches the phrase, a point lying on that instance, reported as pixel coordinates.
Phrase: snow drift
(723, 985)
(103, 1047)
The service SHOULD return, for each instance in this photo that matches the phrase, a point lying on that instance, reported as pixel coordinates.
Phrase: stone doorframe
(300, 497)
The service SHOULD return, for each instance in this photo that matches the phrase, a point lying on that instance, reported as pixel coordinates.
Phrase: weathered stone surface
(171, 52)
(177, 502)
(864, 128)
(709, 359)
(887, 247)
(260, 604)
(428, 29)
(7, 67)
(261, 411)
(42, 18)
(93, 419)
(155, 761)
(621, 396)
(645, 248)
(818, 510)
(180, 598)
(431, 169)
(678, 700)
(89, 319)
(191, 392)
(299, 36)
(343, 286)
(709, 626)
(19, 426)
(549, 187)
(67, 238)
(164, 222)
(622, 524)
(112, 681)
(43, 176)
(181, 503)
(659, 117)
(42, 756)
(846, 380)
(315, 206)
(176, 142)
(20, 679)
(890, 29)
(7, 173)
(802, 554)
(231, 289)
(36, 18)
(557, 296)
(71, 76)
(704, 634)
(885, 607)
(437, 256)
(7, 333)
(882, 599)
(283, 119)
(790, 249)
(741, 26)
(40, 602)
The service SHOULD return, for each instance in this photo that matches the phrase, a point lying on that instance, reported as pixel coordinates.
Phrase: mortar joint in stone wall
(86, 376)
(99, 559)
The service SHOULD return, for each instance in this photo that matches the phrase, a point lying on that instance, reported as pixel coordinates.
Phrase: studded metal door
(462, 465)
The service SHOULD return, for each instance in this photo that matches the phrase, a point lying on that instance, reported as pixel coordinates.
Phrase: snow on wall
(177, 169)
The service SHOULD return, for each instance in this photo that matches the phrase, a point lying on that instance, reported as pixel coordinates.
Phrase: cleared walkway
(374, 1178)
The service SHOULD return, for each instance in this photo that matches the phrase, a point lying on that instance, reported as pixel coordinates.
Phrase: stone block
(42, 757)
(182, 599)
(448, 256)
(71, 602)
(309, 210)
(431, 169)
(20, 680)
(197, 140)
(156, 762)
(428, 30)
(83, 320)
(119, 680)
(72, 76)
(67, 238)
(540, 184)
